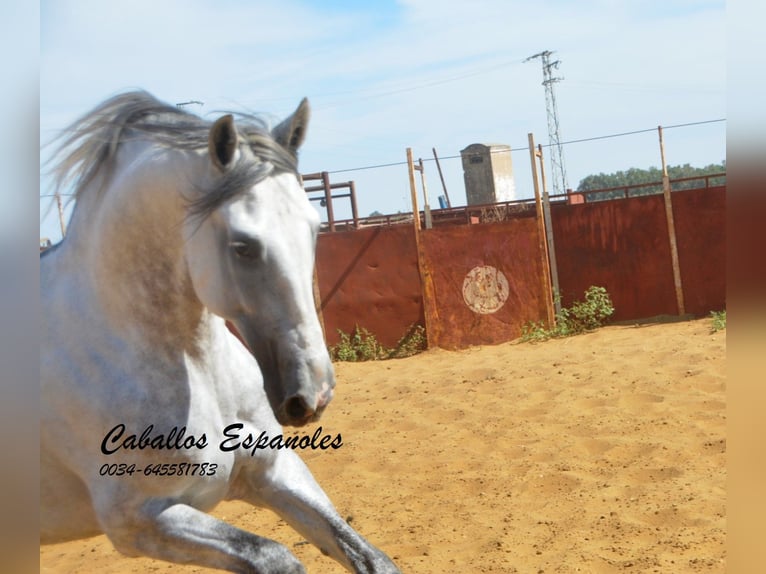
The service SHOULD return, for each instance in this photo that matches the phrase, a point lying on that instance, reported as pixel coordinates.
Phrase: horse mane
(89, 146)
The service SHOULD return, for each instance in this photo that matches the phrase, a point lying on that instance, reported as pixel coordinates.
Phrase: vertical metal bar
(328, 200)
(549, 235)
(441, 176)
(413, 191)
(430, 312)
(542, 244)
(671, 228)
(426, 206)
(354, 211)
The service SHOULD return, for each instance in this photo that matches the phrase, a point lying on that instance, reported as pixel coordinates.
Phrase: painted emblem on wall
(485, 289)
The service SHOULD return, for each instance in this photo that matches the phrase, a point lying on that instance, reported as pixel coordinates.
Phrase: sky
(385, 75)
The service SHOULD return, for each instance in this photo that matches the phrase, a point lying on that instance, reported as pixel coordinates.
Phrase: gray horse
(152, 410)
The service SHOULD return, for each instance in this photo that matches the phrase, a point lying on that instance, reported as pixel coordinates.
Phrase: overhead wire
(524, 148)
(569, 142)
(422, 85)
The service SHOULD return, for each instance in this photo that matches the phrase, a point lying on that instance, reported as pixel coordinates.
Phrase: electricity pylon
(559, 174)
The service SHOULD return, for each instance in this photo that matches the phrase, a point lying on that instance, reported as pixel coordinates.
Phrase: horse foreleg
(289, 489)
(182, 534)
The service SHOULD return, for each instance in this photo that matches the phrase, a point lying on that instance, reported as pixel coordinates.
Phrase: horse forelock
(89, 147)
(268, 158)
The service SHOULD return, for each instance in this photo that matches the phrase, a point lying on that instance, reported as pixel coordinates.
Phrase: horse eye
(246, 249)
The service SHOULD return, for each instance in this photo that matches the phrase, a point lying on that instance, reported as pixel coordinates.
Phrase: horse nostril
(296, 408)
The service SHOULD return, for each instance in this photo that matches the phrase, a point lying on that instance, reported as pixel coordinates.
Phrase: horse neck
(131, 240)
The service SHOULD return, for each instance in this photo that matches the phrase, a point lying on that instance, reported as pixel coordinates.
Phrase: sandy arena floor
(601, 453)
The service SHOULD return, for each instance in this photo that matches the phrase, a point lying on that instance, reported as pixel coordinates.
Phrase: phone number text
(160, 469)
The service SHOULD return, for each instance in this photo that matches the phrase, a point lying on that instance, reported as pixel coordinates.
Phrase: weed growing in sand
(413, 342)
(361, 345)
(582, 316)
(718, 321)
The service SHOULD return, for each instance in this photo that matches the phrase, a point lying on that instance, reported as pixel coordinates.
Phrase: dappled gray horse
(152, 411)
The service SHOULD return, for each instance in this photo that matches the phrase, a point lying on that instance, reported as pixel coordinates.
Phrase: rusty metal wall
(487, 282)
(700, 220)
(621, 245)
(369, 278)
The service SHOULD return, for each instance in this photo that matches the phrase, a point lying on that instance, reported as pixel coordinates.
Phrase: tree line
(652, 175)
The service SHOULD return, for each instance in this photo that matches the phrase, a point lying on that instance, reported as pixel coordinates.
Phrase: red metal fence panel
(621, 245)
(700, 220)
(369, 278)
(487, 281)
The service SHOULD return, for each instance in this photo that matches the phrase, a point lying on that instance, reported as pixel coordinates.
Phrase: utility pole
(671, 228)
(558, 170)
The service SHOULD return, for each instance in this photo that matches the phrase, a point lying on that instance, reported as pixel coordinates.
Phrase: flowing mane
(90, 145)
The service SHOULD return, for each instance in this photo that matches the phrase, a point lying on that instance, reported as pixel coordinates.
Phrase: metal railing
(488, 213)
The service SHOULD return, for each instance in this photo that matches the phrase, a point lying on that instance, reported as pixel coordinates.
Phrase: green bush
(535, 331)
(591, 313)
(718, 321)
(413, 342)
(582, 316)
(361, 345)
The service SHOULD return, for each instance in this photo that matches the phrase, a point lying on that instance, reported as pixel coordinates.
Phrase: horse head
(251, 261)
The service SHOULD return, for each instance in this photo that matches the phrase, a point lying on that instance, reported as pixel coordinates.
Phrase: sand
(600, 453)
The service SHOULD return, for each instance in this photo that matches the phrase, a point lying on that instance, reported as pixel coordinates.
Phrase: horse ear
(222, 142)
(292, 132)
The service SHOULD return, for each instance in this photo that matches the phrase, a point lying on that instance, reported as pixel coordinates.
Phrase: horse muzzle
(302, 403)
(300, 409)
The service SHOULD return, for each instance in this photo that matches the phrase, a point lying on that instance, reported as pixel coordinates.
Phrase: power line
(428, 84)
(513, 149)
(392, 164)
(654, 130)
(520, 148)
(694, 124)
(370, 93)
